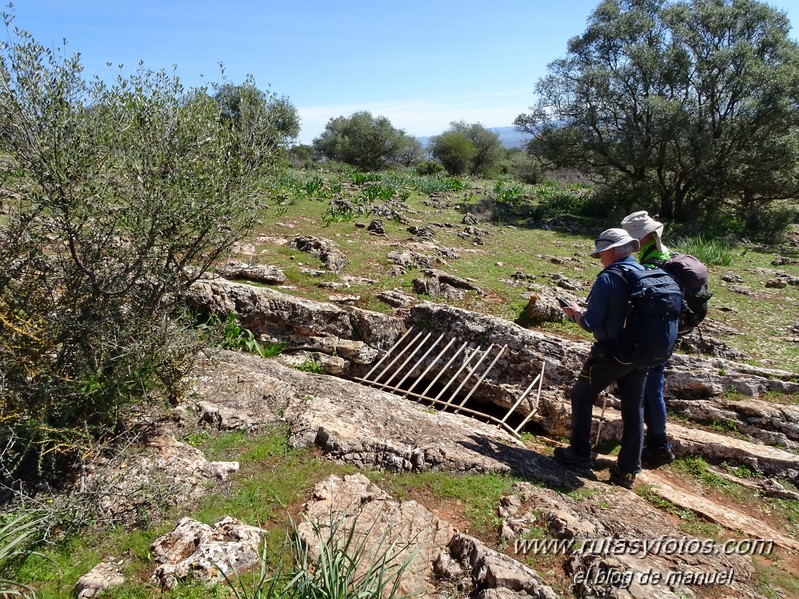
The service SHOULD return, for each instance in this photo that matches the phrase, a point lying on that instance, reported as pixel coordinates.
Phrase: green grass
(647, 492)
(271, 477)
(773, 581)
(272, 480)
(478, 493)
(312, 366)
(699, 469)
(713, 252)
(512, 243)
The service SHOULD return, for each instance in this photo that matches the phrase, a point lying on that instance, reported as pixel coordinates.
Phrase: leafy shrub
(765, 224)
(523, 166)
(129, 191)
(455, 151)
(430, 167)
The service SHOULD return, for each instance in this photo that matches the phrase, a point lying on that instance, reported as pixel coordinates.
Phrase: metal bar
(537, 403)
(483, 376)
(388, 353)
(440, 372)
(471, 372)
(419, 361)
(415, 345)
(454, 376)
(432, 363)
(397, 357)
(409, 358)
(521, 397)
(488, 417)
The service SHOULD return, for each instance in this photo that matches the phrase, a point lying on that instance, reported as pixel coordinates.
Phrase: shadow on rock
(526, 463)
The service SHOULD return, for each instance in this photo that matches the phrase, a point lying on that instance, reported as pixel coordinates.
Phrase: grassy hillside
(523, 236)
(505, 238)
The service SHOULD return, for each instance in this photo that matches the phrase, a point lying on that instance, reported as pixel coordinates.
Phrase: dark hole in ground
(445, 396)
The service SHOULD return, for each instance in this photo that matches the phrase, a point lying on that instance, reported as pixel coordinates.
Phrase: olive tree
(454, 150)
(468, 148)
(690, 107)
(363, 141)
(271, 119)
(123, 194)
(411, 153)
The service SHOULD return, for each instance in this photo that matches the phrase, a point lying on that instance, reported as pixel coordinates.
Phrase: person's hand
(572, 313)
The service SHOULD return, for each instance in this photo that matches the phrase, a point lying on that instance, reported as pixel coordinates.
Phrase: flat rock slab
(360, 425)
(729, 518)
(615, 544)
(357, 514)
(713, 447)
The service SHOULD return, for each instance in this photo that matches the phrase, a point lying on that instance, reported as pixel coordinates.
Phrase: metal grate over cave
(404, 370)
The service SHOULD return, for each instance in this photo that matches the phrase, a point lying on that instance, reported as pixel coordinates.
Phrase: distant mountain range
(511, 137)
(508, 136)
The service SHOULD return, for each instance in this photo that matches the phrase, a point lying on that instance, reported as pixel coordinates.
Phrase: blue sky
(420, 63)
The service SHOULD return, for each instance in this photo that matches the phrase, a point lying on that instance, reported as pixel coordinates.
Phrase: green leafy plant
(509, 194)
(378, 191)
(231, 335)
(313, 186)
(713, 252)
(18, 534)
(349, 563)
(128, 191)
(311, 365)
(264, 582)
(361, 178)
(339, 213)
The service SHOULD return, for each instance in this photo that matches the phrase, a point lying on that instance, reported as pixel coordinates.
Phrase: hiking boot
(653, 457)
(568, 457)
(621, 479)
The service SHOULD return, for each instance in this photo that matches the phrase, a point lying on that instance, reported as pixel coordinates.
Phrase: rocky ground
(559, 533)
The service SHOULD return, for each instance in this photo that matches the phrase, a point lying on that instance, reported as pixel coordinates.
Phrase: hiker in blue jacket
(604, 317)
(657, 448)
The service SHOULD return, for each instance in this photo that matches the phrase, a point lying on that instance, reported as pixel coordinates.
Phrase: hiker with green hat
(605, 316)
(652, 253)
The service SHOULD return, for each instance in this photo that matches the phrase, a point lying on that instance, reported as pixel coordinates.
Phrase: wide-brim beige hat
(640, 224)
(613, 238)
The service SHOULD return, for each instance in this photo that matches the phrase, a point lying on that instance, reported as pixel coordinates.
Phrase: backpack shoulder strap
(620, 270)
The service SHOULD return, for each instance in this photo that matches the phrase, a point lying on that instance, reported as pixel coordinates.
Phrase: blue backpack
(650, 329)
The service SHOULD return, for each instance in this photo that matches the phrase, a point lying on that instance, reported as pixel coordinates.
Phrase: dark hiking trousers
(598, 372)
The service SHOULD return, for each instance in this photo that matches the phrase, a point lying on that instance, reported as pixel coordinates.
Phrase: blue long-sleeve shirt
(607, 303)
